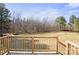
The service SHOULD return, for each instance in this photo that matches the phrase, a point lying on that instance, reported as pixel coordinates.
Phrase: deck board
(30, 53)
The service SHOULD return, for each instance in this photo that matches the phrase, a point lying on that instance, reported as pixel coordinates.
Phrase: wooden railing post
(57, 45)
(8, 43)
(67, 49)
(71, 50)
(32, 45)
(76, 50)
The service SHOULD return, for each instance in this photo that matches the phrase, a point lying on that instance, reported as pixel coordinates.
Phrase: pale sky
(47, 10)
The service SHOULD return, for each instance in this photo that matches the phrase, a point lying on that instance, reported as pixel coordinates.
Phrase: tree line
(17, 25)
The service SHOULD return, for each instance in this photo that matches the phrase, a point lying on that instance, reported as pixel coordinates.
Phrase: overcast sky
(48, 10)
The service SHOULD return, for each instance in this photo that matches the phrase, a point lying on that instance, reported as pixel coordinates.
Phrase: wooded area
(16, 24)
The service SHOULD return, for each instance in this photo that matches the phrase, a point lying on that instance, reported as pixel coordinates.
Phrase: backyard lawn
(63, 36)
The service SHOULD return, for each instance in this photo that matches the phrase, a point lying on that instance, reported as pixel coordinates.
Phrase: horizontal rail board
(30, 49)
(26, 50)
(62, 43)
(3, 37)
(20, 49)
(33, 37)
(71, 43)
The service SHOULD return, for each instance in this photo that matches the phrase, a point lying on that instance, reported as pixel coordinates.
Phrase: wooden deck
(14, 45)
(29, 53)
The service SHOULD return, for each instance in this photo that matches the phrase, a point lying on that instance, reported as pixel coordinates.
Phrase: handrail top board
(75, 45)
(61, 43)
(34, 37)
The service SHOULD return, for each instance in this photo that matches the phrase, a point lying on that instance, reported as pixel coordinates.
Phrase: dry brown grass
(63, 36)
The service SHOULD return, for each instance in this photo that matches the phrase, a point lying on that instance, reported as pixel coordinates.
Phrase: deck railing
(61, 48)
(33, 44)
(4, 44)
(72, 48)
(37, 44)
